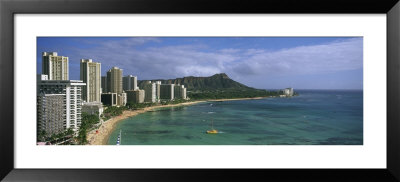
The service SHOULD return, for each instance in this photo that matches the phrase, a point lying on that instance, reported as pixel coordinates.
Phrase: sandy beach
(104, 131)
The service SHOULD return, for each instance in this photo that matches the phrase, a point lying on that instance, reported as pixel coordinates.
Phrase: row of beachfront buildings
(118, 90)
(60, 101)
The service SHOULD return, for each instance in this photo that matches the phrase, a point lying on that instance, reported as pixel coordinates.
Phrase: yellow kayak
(212, 131)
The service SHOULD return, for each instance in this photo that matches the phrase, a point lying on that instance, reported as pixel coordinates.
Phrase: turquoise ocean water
(316, 117)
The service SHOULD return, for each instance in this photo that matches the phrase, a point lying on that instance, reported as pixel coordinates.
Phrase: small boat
(212, 131)
(119, 138)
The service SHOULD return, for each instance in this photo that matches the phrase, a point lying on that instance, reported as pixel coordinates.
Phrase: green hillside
(218, 86)
(215, 82)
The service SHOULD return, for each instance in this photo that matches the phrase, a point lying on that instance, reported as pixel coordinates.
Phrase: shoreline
(107, 127)
(251, 98)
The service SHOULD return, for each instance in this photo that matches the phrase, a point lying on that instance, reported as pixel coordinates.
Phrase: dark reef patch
(153, 132)
(341, 141)
(314, 128)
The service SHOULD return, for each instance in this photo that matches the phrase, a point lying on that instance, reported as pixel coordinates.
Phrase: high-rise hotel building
(91, 75)
(135, 96)
(59, 98)
(179, 91)
(172, 91)
(158, 84)
(114, 80)
(167, 91)
(130, 82)
(56, 67)
(150, 92)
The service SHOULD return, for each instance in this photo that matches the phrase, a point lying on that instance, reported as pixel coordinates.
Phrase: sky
(259, 62)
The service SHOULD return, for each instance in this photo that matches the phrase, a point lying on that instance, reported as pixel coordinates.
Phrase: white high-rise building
(91, 75)
(183, 92)
(158, 84)
(129, 82)
(291, 92)
(288, 91)
(149, 92)
(56, 67)
(71, 91)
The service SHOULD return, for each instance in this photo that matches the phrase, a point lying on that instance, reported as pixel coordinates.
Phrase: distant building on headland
(287, 92)
(135, 96)
(129, 82)
(51, 90)
(56, 67)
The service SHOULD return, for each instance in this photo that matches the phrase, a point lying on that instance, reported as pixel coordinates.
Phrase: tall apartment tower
(158, 85)
(130, 82)
(56, 67)
(179, 92)
(91, 75)
(104, 84)
(150, 92)
(183, 92)
(50, 104)
(114, 80)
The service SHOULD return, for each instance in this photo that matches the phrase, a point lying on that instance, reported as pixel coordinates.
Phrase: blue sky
(260, 62)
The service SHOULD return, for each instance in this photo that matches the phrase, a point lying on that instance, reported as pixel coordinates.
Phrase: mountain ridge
(219, 81)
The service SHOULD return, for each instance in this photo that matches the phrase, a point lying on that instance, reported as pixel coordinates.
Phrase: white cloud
(199, 60)
(332, 57)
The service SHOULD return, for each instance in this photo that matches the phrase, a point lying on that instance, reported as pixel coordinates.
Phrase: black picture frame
(8, 8)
